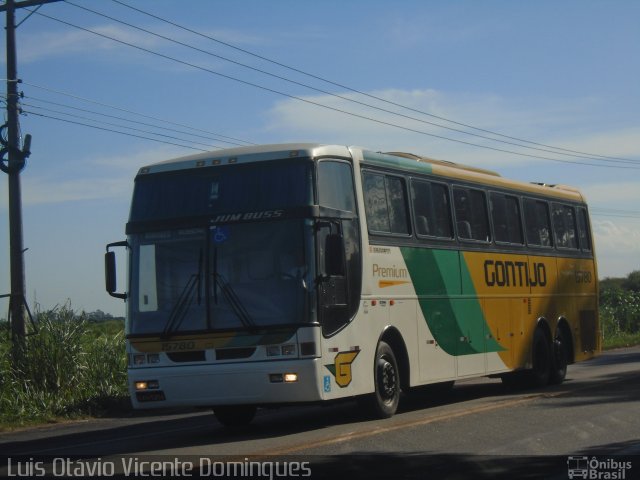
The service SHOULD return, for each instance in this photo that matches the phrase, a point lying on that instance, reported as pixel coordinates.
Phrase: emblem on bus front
(341, 367)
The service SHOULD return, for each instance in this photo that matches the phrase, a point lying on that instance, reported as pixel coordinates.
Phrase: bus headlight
(283, 377)
(147, 385)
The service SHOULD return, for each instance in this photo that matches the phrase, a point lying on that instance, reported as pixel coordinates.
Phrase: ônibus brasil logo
(594, 468)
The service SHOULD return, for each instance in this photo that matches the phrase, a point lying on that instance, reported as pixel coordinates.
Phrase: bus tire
(383, 402)
(559, 359)
(235, 415)
(541, 359)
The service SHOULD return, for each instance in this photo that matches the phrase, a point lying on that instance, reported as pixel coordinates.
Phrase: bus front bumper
(251, 383)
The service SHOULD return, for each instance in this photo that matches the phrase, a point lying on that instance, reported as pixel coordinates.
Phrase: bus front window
(235, 276)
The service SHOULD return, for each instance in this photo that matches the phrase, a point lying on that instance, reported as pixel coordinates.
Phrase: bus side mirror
(110, 271)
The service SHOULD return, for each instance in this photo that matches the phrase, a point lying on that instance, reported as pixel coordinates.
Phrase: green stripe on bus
(384, 160)
(457, 323)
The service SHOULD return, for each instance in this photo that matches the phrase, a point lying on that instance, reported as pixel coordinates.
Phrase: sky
(558, 73)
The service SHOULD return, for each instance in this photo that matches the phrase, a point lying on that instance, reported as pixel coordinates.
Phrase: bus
(300, 273)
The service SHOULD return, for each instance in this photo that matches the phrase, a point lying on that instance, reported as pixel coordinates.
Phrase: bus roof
(396, 160)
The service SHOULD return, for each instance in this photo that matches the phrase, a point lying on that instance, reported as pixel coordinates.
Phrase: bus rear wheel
(235, 415)
(559, 359)
(383, 402)
(541, 360)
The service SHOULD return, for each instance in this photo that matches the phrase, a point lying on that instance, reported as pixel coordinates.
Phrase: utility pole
(12, 166)
(15, 164)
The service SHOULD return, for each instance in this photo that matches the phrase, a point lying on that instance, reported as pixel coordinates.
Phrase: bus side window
(538, 225)
(505, 212)
(431, 207)
(385, 203)
(583, 230)
(564, 225)
(471, 214)
(335, 186)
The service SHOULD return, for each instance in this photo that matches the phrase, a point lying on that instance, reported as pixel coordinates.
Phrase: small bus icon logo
(578, 467)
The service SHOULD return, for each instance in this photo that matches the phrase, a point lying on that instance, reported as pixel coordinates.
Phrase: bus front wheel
(235, 415)
(383, 402)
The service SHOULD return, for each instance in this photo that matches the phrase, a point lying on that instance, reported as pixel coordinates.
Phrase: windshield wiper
(185, 300)
(234, 301)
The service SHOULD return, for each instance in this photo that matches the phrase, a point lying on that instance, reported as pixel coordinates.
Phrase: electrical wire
(124, 110)
(116, 117)
(327, 107)
(112, 130)
(351, 89)
(111, 124)
(614, 212)
(347, 99)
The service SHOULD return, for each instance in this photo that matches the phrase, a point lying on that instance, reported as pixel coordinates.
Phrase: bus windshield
(221, 190)
(239, 276)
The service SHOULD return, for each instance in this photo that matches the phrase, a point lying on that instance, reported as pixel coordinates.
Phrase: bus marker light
(392, 302)
(273, 350)
(288, 349)
(290, 377)
(374, 303)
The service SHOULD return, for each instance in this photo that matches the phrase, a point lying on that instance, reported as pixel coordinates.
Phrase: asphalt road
(480, 427)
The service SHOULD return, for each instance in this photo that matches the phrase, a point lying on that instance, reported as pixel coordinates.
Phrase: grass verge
(71, 368)
(621, 340)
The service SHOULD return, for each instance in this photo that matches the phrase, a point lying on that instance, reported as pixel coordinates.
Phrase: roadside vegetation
(75, 363)
(620, 310)
(73, 367)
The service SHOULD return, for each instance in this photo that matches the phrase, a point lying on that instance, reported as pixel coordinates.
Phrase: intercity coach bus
(298, 273)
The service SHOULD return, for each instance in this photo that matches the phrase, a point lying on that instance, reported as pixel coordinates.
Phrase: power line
(613, 215)
(614, 212)
(351, 89)
(112, 130)
(116, 117)
(142, 115)
(327, 107)
(80, 117)
(351, 100)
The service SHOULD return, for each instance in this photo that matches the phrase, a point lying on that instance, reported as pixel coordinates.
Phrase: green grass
(72, 368)
(621, 340)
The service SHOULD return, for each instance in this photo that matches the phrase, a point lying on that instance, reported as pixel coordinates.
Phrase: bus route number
(178, 346)
(583, 276)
